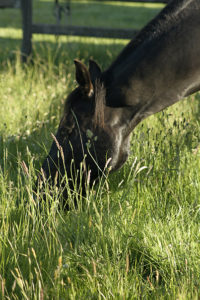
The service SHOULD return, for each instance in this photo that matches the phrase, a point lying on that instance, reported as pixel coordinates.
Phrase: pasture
(136, 234)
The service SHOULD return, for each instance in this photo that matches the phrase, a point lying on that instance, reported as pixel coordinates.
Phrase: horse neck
(141, 69)
(163, 22)
(161, 69)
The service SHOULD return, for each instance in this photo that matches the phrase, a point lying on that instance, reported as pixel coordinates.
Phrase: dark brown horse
(156, 69)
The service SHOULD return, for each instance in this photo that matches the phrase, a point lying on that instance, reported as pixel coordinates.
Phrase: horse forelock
(98, 105)
(100, 99)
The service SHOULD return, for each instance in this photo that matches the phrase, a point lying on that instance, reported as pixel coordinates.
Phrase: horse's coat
(156, 69)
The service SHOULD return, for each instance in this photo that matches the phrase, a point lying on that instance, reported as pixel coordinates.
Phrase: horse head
(91, 135)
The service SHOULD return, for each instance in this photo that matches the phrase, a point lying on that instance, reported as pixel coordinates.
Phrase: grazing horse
(156, 69)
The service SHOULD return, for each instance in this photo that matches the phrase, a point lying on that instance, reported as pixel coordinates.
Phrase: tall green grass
(136, 234)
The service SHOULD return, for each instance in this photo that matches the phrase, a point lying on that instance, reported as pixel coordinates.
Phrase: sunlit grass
(134, 236)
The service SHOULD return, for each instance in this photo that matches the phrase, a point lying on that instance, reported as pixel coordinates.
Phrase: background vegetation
(138, 234)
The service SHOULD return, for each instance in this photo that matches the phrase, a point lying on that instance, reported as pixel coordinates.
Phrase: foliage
(136, 234)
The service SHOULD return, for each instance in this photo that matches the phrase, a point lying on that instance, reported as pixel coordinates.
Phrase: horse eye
(67, 130)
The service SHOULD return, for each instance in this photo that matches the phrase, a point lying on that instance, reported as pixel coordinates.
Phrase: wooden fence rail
(83, 31)
(7, 3)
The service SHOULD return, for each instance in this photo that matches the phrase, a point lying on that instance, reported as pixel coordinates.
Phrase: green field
(137, 236)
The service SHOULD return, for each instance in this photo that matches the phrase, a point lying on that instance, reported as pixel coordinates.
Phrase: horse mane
(167, 18)
(100, 100)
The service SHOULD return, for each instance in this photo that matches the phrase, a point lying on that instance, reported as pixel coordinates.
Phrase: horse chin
(120, 164)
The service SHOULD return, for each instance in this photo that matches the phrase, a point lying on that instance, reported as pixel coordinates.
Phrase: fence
(29, 28)
(9, 3)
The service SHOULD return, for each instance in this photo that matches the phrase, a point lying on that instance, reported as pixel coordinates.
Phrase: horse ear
(83, 78)
(94, 70)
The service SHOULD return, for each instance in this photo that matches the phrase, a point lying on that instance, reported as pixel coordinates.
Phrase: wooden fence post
(26, 6)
